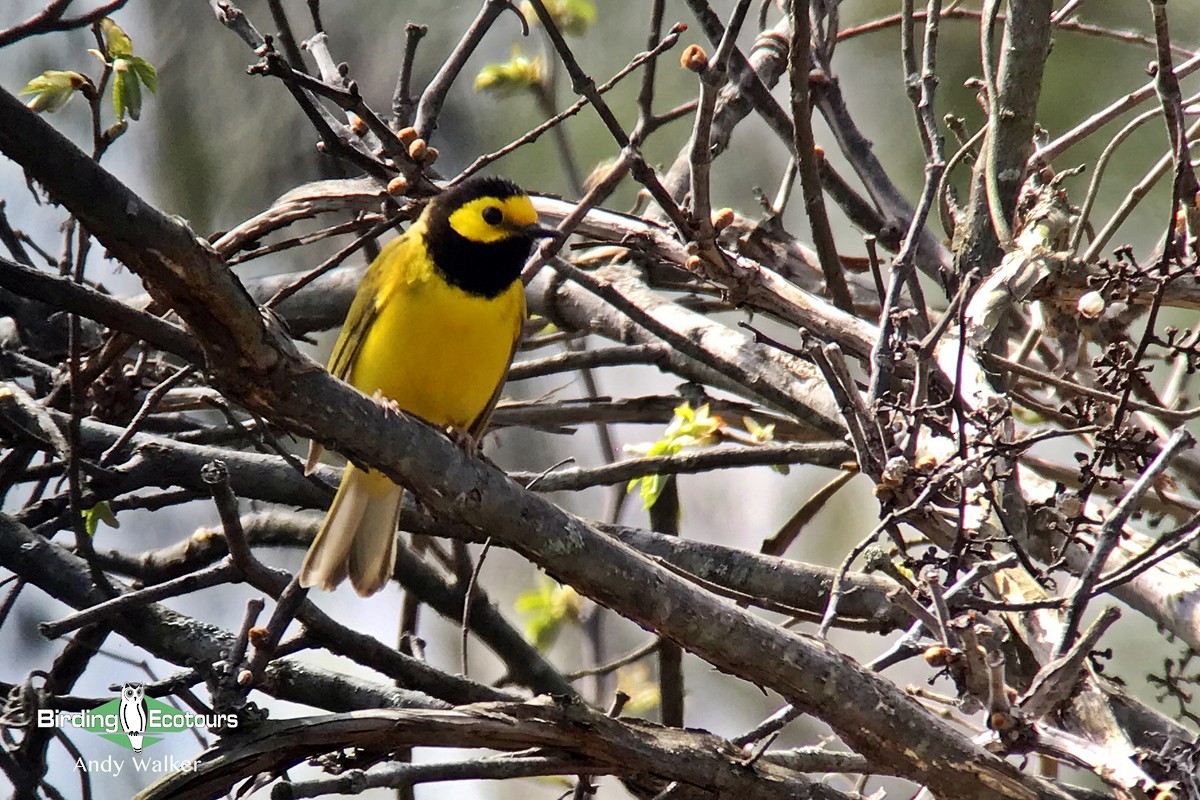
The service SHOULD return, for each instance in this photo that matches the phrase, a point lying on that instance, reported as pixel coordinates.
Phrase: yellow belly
(439, 352)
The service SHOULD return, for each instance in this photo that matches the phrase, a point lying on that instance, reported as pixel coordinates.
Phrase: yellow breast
(436, 350)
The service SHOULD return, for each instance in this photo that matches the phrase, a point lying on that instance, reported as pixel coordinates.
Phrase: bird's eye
(493, 215)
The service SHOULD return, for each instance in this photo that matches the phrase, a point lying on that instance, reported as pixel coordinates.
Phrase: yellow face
(491, 219)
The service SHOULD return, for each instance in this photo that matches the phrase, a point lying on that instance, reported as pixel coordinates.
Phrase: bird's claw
(465, 440)
(386, 403)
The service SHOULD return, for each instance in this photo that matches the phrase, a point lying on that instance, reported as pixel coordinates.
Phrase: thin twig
(403, 103)
(149, 404)
(635, 655)
(1083, 130)
(1110, 533)
(648, 58)
(468, 599)
(50, 19)
(804, 147)
(435, 93)
(223, 572)
(772, 724)
(991, 147)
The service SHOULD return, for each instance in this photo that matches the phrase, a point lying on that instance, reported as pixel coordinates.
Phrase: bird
(133, 714)
(431, 331)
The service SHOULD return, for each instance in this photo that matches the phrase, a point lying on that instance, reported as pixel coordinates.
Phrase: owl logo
(133, 714)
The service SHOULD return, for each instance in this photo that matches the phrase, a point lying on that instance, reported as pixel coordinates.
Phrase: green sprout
(130, 72)
(688, 428)
(101, 512)
(519, 74)
(52, 89)
(550, 605)
(573, 17)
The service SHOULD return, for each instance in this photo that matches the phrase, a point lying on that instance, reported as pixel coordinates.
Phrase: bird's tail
(358, 537)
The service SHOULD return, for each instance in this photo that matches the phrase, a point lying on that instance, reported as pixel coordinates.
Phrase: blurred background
(215, 146)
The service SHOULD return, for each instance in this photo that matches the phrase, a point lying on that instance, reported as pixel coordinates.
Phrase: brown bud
(431, 154)
(258, 636)
(356, 123)
(925, 463)
(398, 185)
(692, 264)
(245, 677)
(722, 218)
(939, 655)
(416, 150)
(1001, 721)
(694, 58)
(406, 136)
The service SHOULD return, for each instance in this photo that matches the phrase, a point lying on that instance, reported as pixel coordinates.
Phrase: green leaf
(127, 91)
(547, 327)
(688, 428)
(761, 434)
(146, 71)
(550, 605)
(651, 488)
(518, 75)
(116, 41)
(52, 89)
(101, 512)
(573, 17)
(693, 427)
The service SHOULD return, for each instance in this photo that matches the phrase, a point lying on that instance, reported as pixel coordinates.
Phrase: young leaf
(763, 434)
(550, 605)
(116, 41)
(573, 17)
(101, 512)
(52, 89)
(690, 427)
(127, 92)
(519, 74)
(146, 71)
(651, 486)
(760, 434)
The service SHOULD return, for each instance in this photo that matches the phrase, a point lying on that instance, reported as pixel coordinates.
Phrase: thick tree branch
(622, 747)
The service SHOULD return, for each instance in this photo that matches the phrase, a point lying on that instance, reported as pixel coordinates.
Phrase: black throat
(479, 268)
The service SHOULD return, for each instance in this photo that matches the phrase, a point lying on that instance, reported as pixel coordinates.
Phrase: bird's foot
(386, 403)
(465, 440)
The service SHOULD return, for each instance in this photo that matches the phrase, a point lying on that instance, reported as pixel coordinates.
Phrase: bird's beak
(536, 231)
